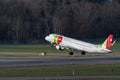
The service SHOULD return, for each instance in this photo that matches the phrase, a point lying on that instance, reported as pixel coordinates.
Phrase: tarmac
(55, 60)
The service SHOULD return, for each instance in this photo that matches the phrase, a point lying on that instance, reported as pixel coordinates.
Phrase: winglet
(113, 43)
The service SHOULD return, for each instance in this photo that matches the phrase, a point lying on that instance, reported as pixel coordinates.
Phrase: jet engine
(59, 48)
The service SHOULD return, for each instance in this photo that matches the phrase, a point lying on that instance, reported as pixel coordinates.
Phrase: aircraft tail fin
(108, 42)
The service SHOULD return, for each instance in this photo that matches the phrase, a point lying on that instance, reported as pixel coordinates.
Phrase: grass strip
(27, 48)
(36, 48)
(65, 70)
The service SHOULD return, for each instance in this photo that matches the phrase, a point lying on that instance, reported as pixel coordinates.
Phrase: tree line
(29, 21)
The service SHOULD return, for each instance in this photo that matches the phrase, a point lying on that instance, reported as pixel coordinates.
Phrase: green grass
(61, 70)
(28, 48)
(24, 48)
(35, 48)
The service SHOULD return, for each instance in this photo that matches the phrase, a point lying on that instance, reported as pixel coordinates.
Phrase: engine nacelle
(59, 48)
(52, 44)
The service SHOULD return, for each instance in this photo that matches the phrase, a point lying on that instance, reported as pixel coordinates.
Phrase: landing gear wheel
(83, 53)
(70, 53)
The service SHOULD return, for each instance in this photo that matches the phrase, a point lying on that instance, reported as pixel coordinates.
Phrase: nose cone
(46, 38)
(49, 38)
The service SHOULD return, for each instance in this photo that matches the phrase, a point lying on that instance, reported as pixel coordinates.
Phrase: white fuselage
(83, 46)
(70, 43)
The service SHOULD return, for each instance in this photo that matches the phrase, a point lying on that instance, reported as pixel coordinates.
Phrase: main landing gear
(82, 53)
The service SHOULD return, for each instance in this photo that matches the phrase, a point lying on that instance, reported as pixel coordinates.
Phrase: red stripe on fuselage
(60, 39)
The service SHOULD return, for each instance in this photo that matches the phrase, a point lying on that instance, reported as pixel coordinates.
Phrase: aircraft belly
(75, 46)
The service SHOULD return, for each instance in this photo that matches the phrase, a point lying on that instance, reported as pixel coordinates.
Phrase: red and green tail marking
(107, 43)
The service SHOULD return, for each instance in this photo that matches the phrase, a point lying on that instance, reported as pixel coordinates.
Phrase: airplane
(61, 42)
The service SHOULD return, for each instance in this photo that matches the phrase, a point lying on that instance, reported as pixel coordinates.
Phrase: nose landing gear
(71, 53)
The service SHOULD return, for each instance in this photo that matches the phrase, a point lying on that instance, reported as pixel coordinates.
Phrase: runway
(58, 60)
(62, 60)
